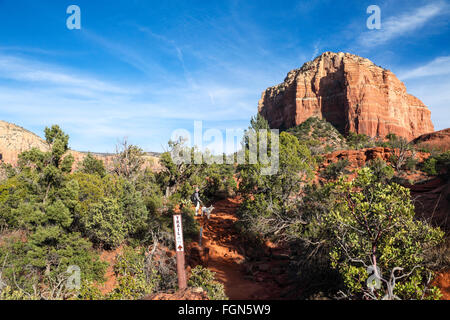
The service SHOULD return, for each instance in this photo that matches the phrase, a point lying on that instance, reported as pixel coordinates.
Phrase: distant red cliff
(351, 93)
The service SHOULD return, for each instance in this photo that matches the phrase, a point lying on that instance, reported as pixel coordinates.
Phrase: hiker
(196, 200)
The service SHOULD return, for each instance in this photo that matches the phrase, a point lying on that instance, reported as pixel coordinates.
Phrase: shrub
(55, 217)
(429, 166)
(132, 280)
(403, 156)
(375, 227)
(140, 273)
(8, 293)
(219, 182)
(353, 226)
(318, 135)
(128, 160)
(204, 278)
(359, 141)
(146, 183)
(336, 169)
(91, 165)
(38, 265)
(437, 165)
(411, 163)
(130, 288)
(257, 216)
(91, 190)
(135, 214)
(381, 170)
(104, 223)
(89, 291)
(191, 227)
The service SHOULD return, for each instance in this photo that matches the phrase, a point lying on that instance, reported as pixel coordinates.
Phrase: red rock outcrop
(358, 158)
(351, 93)
(439, 140)
(431, 201)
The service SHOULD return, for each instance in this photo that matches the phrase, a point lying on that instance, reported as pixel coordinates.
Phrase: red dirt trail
(225, 258)
(110, 276)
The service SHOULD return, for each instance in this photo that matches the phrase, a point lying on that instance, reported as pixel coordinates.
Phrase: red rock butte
(350, 92)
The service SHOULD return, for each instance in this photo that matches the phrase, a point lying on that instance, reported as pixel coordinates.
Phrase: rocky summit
(350, 92)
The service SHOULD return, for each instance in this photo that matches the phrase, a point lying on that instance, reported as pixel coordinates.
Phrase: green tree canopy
(371, 225)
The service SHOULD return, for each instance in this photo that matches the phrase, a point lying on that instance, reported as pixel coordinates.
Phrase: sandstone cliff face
(351, 93)
(14, 140)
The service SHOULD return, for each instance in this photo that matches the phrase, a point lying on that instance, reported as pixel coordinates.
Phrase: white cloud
(435, 93)
(397, 26)
(20, 69)
(316, 51)
(439, 66)
(431, 84)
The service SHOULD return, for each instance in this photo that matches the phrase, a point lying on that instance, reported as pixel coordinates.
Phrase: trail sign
(179, 248)
(178, 229)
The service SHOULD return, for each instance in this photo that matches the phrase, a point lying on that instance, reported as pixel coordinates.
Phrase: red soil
(443, 282)
(110, 276)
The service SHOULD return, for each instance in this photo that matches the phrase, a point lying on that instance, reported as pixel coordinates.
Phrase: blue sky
(141, 69)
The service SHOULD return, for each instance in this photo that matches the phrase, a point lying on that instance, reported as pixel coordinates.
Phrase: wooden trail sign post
(179, 248)
(200, 236)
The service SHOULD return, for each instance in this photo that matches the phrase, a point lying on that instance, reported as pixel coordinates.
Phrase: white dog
(207, 211)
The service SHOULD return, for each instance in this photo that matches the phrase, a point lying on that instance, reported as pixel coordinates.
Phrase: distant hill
(15, 140)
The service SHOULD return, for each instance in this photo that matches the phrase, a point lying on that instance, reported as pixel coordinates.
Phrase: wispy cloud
(177, 50)
(127, 54)
(27, 70)
(396, 26)
(316, 50)
(437, 67)
(435, 93)
(431, 83)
